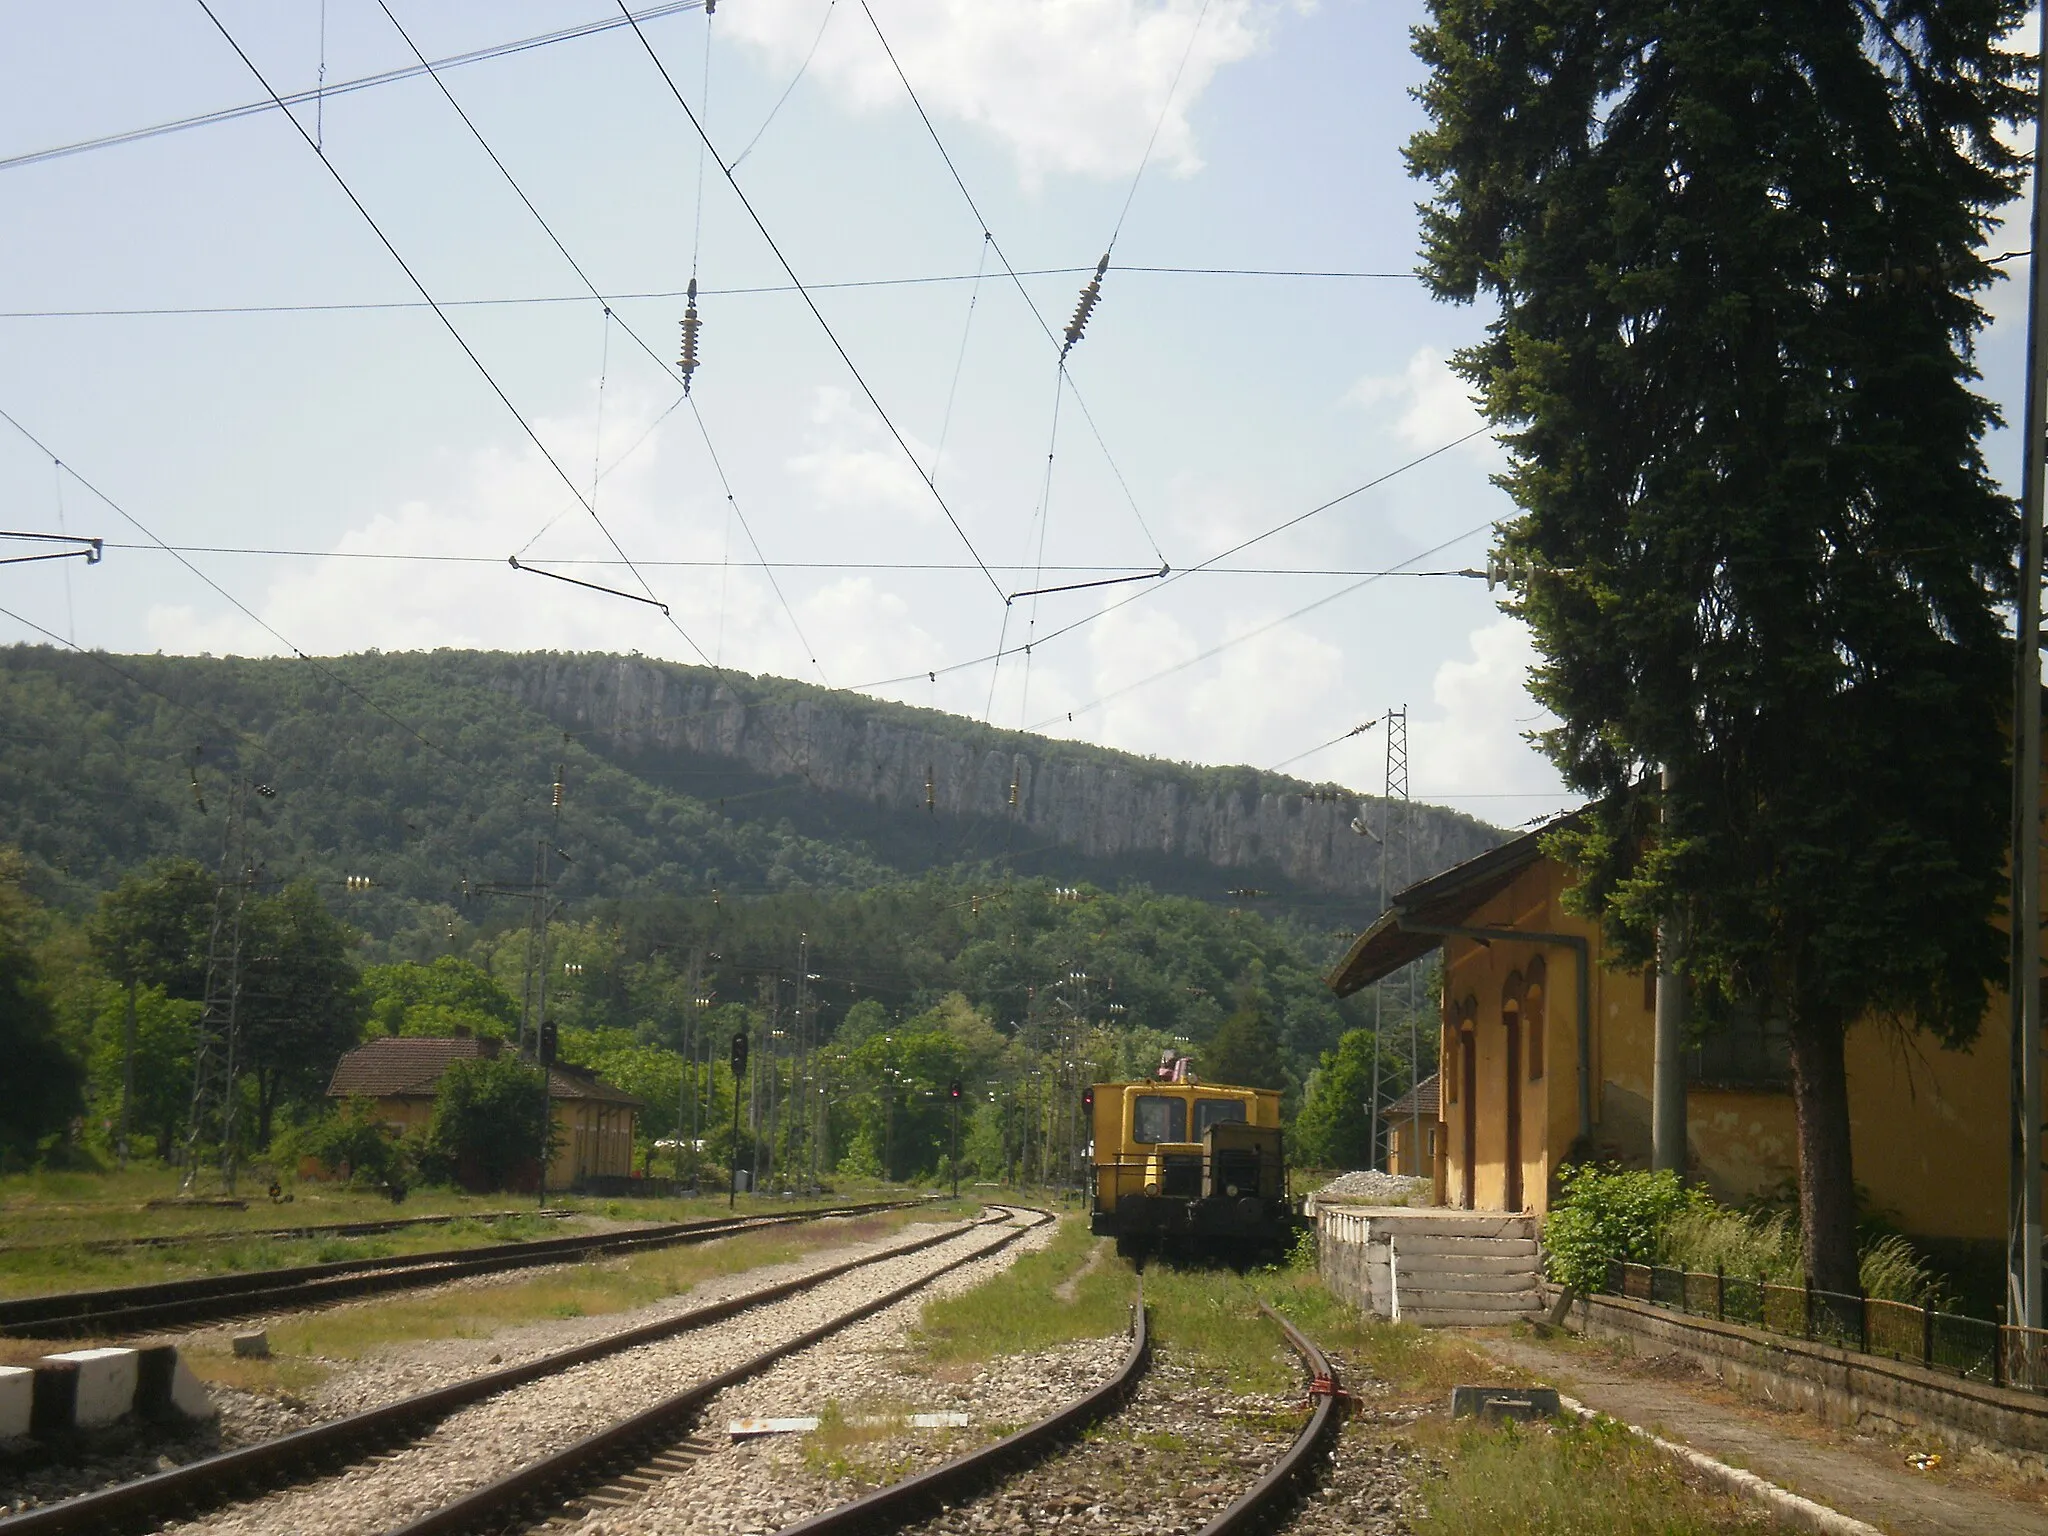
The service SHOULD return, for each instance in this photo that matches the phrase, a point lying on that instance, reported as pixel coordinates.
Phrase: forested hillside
(421, 770)
(728, 856)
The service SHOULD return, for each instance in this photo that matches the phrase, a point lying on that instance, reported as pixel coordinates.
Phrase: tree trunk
(1827, 1186)
(266, 1101)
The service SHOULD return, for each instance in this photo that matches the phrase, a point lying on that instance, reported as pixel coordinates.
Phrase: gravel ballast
(490, 1439)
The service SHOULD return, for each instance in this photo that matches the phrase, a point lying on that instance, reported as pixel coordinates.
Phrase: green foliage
(164, 1029)
(448, 997)
(1245, 1052)
(1604, 1215)
(301, 1005)
(1763, 550)
(1707, 1238)
(350, 1137)
(40, 1086)
(152, 929)
(1334, 1129)
(487, 1124)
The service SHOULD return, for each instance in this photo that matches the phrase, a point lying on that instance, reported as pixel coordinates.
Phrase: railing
(1970, 1347)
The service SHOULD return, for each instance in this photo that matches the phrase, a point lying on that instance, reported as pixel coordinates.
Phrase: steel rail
(904, 1503)
(313, 1229)
(1264, 1499)
(136, 1307)
(549, 1481)
(216, 1480)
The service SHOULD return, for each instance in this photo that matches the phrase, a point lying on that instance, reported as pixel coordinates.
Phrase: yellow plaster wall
(1928, 1125)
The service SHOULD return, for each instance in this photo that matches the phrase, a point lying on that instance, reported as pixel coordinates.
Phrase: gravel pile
(1368, 1186)
(490, 1439)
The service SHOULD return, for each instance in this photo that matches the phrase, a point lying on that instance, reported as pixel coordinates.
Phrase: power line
(441, 315)
(1187, 571)
(353, 306)
(1016, 277)
(778, 565)
(1165, 107)
(809, 302)
(577, 267)
(1250, 634)
(320, 93)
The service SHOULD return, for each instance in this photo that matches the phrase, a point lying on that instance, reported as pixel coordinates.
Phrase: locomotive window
(1156, 1118)
(1210, 1112)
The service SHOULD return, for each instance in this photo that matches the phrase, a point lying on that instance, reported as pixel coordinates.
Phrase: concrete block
(104, 1383)
(1496, 1403)
(253, 1346)
(17, 1400)
(166, 1389)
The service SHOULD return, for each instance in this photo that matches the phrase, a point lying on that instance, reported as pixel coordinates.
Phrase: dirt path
(1859, 1475)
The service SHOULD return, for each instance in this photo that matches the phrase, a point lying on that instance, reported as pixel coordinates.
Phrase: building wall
(593, 1138)
(1928, 1125)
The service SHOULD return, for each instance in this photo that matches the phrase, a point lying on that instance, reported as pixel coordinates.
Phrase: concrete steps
(1439, 1269)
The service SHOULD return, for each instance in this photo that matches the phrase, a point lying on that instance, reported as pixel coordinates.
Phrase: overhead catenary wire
(609, 318)
(818, 314)
(1356, 730)
(652, 295)
(321, 92)
(801, 70)
(468, 351)
(1016, 278)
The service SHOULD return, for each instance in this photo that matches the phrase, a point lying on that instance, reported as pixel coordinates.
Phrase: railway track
(564, 1485)
(306, 1455)
(135, 1308)
(902, 1505)
(315, 1229)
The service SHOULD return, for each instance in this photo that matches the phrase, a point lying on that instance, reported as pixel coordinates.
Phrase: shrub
(1707, 1237)
(488, 1121)
(1608, 1214)
(352, 1138)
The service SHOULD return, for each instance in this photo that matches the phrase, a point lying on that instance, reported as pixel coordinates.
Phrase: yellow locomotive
(1189, 1168)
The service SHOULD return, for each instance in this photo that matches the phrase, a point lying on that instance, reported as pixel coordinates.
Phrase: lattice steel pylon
(1397, 862)
(216, 1047)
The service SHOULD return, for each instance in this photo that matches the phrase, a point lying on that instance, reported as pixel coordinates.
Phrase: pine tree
(1737, 251)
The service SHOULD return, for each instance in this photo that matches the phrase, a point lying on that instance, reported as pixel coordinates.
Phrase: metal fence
(1969, 1347)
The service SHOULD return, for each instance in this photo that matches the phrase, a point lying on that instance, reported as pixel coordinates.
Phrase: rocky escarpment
(900, 762)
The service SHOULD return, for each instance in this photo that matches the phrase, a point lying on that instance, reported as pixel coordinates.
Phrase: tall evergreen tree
(1737, 251)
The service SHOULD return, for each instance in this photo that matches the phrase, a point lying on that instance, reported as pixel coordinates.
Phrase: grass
(586, 1290)
(1070, 1289)
(1581, 1479)
(48, 1222)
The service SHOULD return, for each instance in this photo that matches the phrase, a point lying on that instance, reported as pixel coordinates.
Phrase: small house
(401, 1075)
(1414, 1145)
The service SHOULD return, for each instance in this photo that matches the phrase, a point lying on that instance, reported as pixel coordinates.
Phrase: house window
(1155, 1117)
(1742, 1051)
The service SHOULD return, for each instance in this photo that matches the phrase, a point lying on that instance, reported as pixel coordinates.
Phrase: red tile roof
(410, 1067)
(1420, 1100)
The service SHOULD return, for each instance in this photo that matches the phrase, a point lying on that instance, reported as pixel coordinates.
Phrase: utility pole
(215, 1057)
(2023, 987)
(739, 1067)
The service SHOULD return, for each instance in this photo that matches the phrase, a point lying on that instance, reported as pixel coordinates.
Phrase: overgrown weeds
(1578, 1479)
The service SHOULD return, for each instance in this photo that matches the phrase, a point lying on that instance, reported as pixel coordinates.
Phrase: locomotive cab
(1189, 1167)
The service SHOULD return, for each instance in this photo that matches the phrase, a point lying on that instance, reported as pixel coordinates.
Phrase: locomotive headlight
(1230, 1189)
(1151, 1186)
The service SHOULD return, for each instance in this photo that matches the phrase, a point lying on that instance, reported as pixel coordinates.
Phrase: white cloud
(1066, 85)
(853, 464)
(1431, 405)
(1470, 750)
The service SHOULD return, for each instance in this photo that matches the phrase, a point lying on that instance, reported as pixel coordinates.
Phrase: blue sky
(1227, 404)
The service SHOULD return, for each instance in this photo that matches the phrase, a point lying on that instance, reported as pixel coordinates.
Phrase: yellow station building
(1547, 1055)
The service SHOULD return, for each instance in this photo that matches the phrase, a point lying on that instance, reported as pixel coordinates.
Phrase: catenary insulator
(1090, 297)
(687, 364)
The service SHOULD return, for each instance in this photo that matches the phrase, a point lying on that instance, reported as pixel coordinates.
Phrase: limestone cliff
(846, 750)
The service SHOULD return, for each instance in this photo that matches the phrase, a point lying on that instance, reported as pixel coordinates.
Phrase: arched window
(1532, 1012)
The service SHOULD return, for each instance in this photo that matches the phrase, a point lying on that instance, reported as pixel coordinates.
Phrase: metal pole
(2023, 1241)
